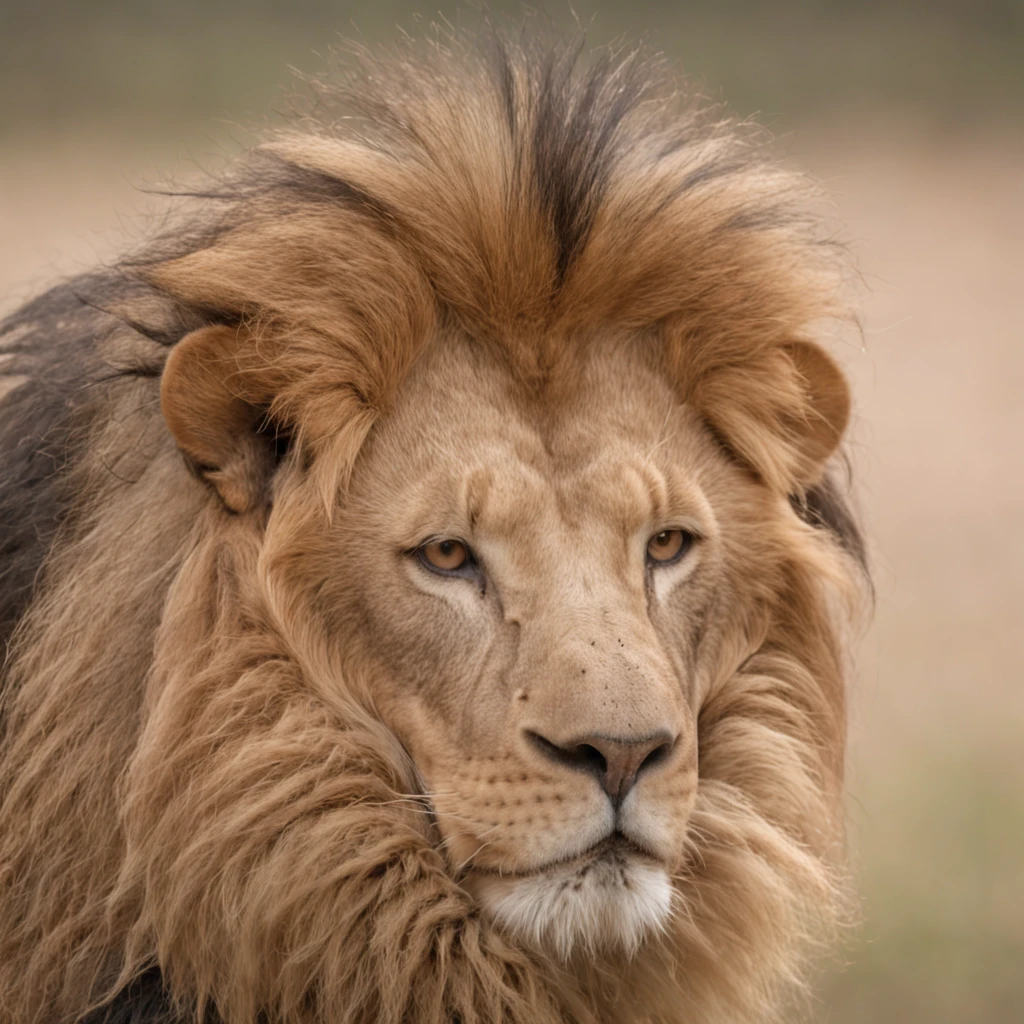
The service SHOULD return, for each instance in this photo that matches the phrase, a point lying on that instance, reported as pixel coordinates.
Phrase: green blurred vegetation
(942, 891)
(947, 60)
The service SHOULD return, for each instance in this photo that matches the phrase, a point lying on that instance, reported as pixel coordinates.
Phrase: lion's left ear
(783, 412)
(828, 404)
(216, 412)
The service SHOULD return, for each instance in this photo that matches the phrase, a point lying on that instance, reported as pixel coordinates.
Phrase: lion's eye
(668, 546)
(445, 555)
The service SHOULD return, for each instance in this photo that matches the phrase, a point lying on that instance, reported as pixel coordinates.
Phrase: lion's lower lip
(618, 842)
(613, 844)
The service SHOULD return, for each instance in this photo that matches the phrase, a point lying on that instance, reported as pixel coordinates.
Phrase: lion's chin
(607, 900)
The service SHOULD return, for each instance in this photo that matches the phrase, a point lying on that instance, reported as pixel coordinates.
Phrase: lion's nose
(615, 763)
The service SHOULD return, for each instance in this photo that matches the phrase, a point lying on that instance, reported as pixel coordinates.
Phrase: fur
(193, 825)
(544, 908)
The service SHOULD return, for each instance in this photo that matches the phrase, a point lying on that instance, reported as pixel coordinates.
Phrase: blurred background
(912, 113)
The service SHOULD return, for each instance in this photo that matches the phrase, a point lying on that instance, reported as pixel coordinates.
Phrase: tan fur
(252, 740)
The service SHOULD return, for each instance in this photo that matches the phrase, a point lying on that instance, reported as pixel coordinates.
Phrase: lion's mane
(190, 828)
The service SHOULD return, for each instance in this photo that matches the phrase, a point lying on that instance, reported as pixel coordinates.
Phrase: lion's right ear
(217, 415)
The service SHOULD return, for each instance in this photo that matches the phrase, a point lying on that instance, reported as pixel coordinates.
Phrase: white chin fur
(609, 904)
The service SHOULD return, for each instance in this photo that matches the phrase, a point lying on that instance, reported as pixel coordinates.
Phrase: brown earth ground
(937, 763)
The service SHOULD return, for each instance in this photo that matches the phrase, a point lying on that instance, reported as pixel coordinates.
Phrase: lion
(429, 573)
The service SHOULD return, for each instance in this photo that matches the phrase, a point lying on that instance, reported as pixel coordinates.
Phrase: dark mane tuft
(576, 120)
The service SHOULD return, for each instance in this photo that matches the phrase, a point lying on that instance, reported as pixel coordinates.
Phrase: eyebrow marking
(657, 488)
(478, 489)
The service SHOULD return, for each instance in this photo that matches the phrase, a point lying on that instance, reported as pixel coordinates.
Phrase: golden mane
(182, 806)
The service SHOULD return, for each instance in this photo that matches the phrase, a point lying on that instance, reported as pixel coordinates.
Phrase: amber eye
(668, 546)
(445, 555)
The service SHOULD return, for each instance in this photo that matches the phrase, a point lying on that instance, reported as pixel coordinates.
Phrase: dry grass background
(935, 211)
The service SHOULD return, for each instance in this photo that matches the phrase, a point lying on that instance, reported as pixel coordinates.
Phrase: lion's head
(491, 667)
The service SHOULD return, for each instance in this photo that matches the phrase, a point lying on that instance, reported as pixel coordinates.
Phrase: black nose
(615, 763)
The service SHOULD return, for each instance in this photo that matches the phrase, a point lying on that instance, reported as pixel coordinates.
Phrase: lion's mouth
(615, 848)
(609, 896)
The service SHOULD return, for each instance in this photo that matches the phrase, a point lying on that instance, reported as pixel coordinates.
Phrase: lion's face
(531, 584)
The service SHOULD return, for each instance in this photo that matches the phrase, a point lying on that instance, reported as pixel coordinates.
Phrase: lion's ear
(217, 414)
(828, 404)
(783, 413)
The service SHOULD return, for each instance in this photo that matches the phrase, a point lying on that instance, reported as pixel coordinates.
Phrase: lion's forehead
(531, 503)
(615, 450)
